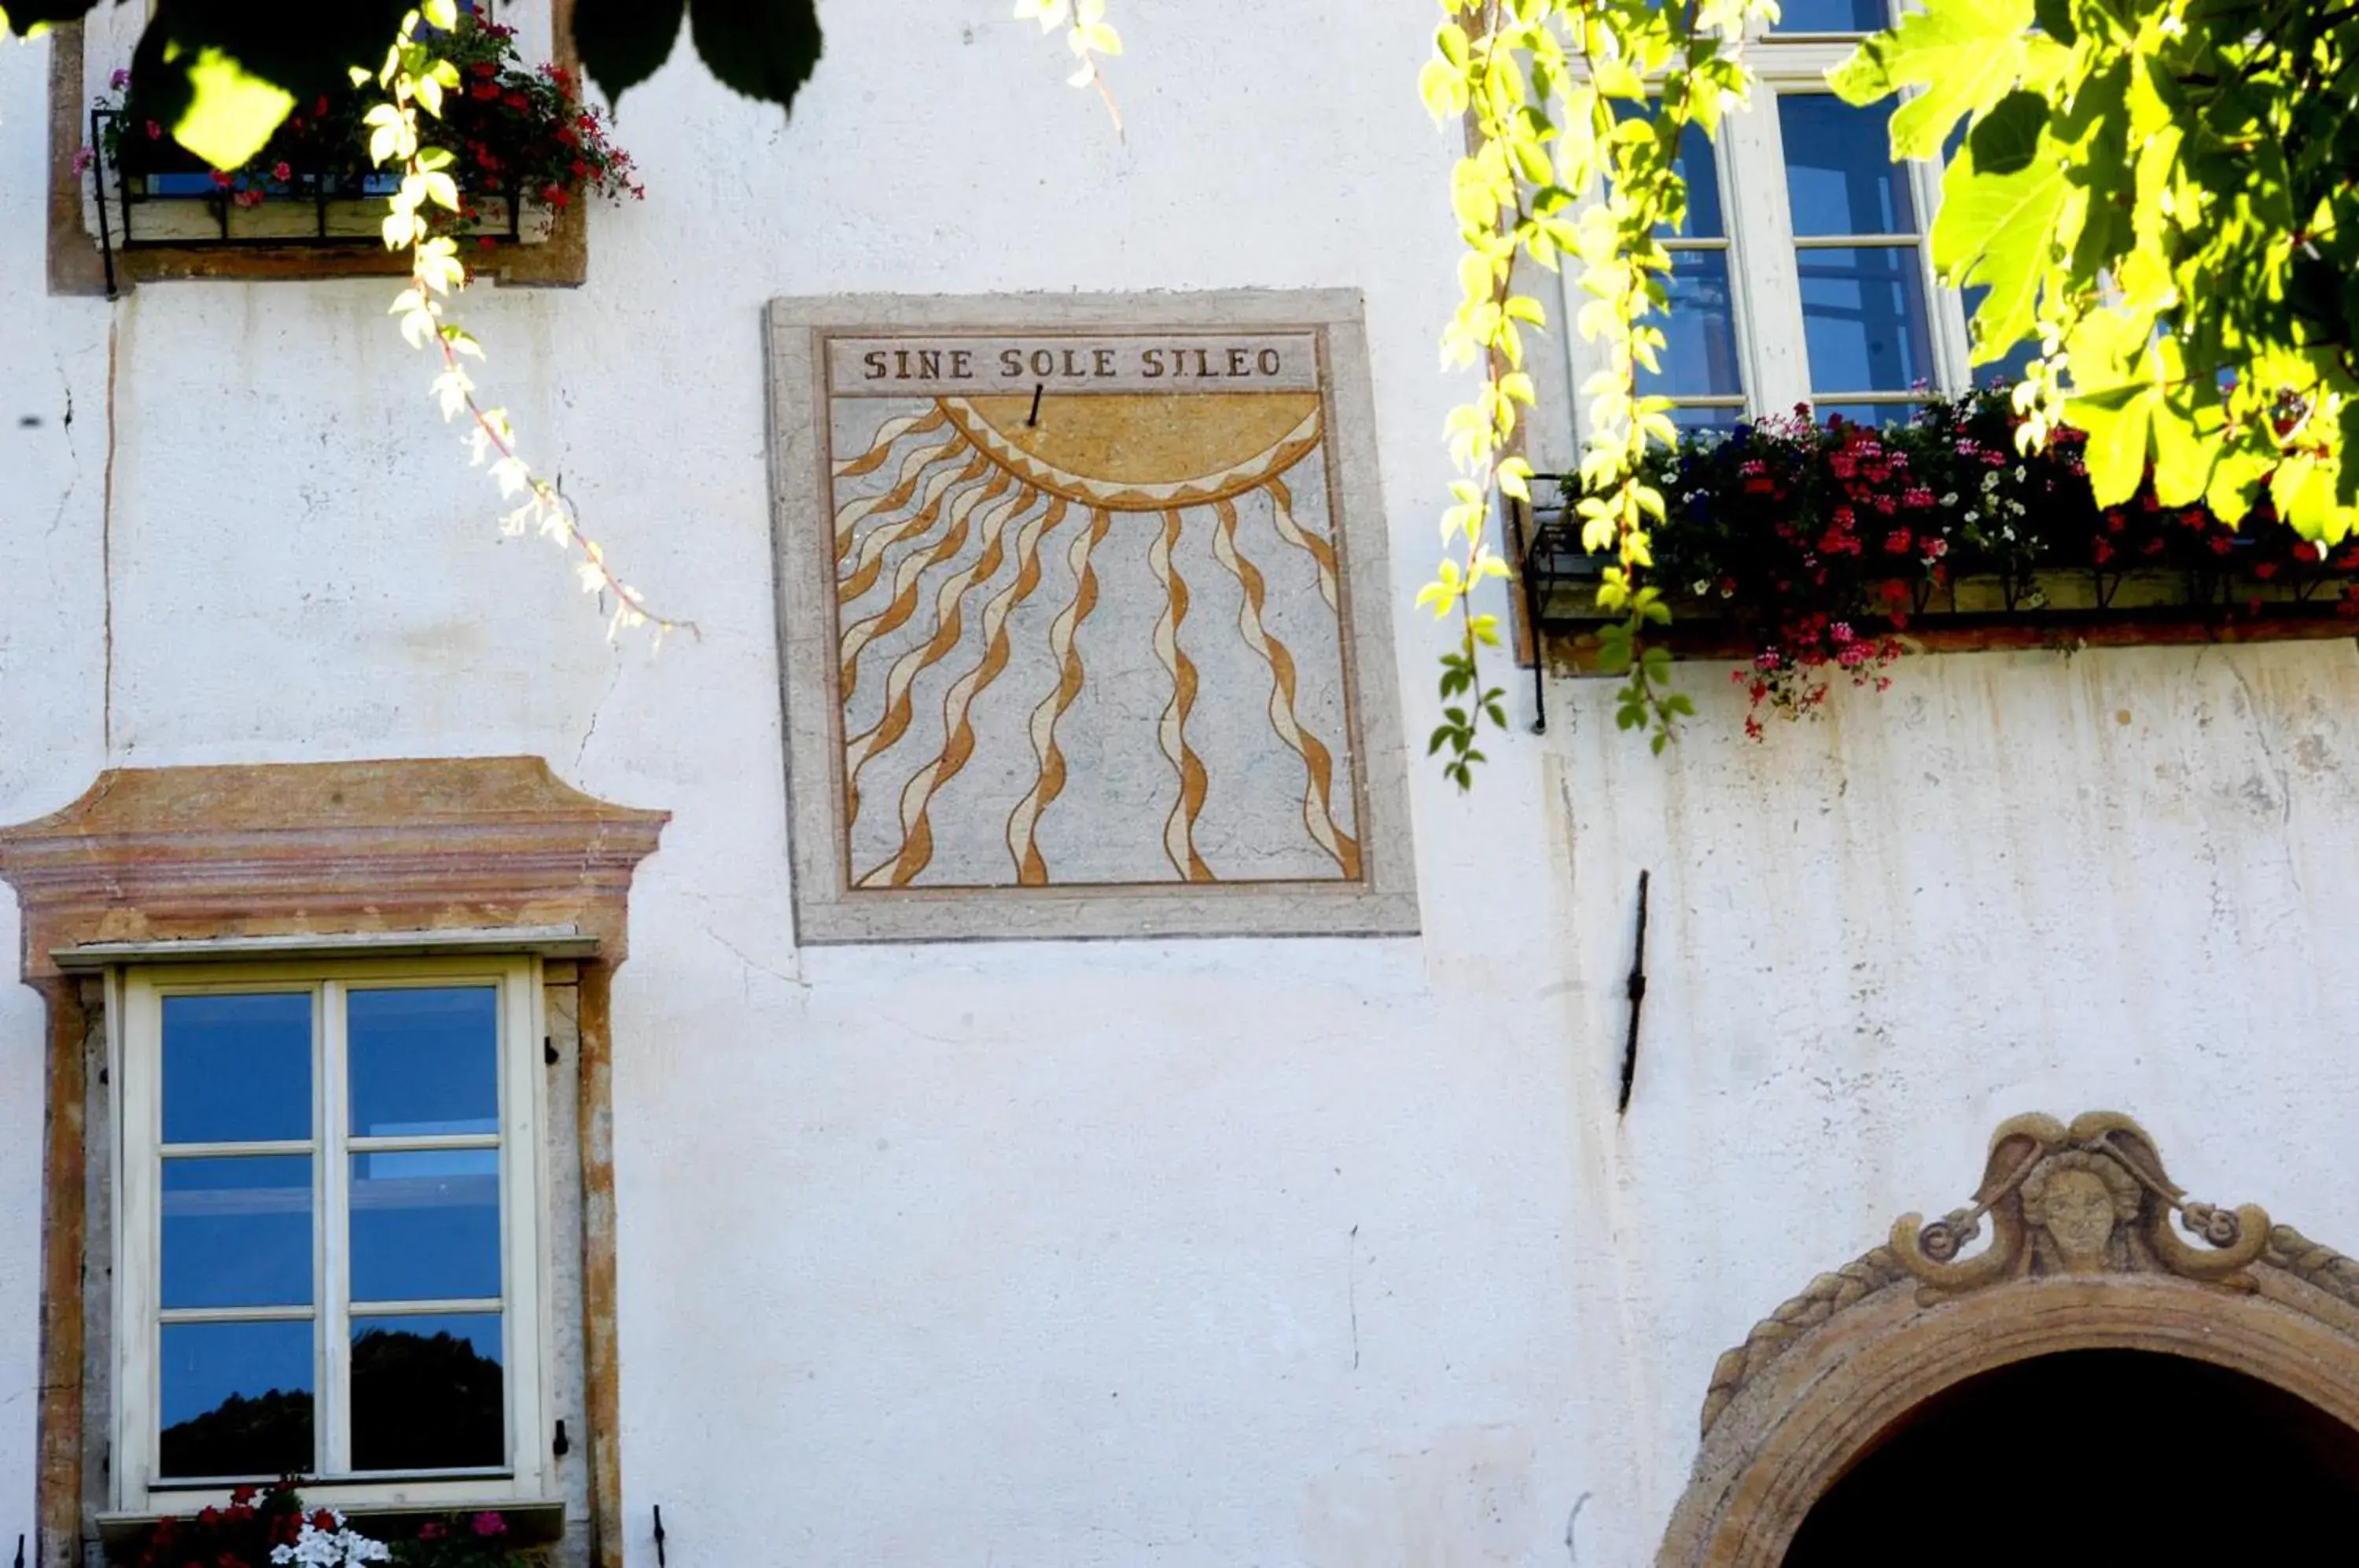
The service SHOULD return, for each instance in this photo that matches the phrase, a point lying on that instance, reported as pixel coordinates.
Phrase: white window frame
(134, 998)
(1764, 288)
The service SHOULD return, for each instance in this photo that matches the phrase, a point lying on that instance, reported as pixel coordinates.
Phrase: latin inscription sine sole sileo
(1095, 615)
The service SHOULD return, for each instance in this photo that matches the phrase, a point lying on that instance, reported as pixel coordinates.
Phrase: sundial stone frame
(1380, 902)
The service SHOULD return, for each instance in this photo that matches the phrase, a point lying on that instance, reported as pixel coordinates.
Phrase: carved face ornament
(2080, 1200)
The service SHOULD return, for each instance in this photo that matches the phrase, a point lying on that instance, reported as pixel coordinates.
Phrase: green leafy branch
(1553, 169)
(2162, 194)
(1088, 33)
(416, 77)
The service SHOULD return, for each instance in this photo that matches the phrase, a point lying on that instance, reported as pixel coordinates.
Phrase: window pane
(1840, 177)
(1830, 16)
(1724, 421)
(237, 1069)
(428, 1393)
(424, 1061)
(1864, 319)
(1700, 359)
(237, 1232)
(237, 1399)
(426, 1226)
(1873, 415)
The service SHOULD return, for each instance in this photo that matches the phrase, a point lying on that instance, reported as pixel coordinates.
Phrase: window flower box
(1821, 552)
(524, 149)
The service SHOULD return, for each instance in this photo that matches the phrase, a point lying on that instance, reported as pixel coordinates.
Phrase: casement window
(1804, 272)
(330, 1252)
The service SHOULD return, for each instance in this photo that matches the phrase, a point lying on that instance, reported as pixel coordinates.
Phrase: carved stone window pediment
(301, 864)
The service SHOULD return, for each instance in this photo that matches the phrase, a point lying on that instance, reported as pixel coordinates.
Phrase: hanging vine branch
(1088, 33)
(415, 78)
(1567, 158)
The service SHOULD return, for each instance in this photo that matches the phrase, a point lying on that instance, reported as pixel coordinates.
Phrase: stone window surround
(539, 1285)
(334, 861)
(77, 267)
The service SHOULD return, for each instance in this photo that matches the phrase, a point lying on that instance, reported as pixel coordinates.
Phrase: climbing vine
(416, 77)
(1573, 111)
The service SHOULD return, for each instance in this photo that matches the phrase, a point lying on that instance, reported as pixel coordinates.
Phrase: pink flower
(120, 79)
(489, 1524)
(281, 171)
(82, 161)
(155, 130)
(221, 179)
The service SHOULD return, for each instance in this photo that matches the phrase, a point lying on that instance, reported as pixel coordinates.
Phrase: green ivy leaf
(1999, 230)
(1964, 54)
(2120, 422)
(231, 112)
(223, 73)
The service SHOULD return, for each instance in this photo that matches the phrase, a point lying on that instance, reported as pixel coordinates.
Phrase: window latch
(548, 1049)
(563, 1445)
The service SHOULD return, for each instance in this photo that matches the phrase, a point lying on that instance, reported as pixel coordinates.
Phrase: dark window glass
(424, 1061)
(237, 1399)
(1831, 17)
(428, 1393)
(237, 1069)
(1864, 323)
(1840, 177)
(425, 1226)
(1874, 415)
(1724, 421)
(1699, 358)
(237, 1231)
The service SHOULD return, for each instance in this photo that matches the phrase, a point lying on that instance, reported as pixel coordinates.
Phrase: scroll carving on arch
(2089, 1244)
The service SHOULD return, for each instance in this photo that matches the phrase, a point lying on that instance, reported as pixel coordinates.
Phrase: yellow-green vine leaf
(1998, 230)
(1964, 55)
(231, 112)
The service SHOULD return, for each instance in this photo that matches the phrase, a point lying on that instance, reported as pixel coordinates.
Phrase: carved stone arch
(2081, 1257)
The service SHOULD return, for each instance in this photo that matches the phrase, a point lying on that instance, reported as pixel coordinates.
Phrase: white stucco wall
(1233, 1252)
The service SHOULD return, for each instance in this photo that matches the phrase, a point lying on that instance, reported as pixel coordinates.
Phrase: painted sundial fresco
(1087, 631)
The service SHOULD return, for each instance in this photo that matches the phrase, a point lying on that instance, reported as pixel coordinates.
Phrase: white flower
(1702, 586)
(1990, 480)
(1951, 499)
(339, 1548)
(2019, 471)
(1974, 517)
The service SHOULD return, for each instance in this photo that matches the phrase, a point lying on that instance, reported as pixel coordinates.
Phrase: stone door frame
(1818, 1383)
